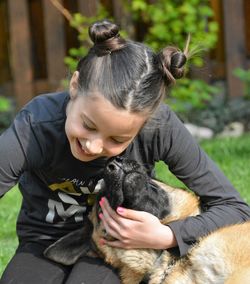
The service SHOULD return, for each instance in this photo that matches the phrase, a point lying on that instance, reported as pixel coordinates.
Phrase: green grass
(9, 207)
(232, 155)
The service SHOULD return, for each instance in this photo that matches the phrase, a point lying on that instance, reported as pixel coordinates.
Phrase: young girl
(58, 144)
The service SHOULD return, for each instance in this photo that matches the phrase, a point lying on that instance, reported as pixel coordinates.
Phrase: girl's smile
(83, 150)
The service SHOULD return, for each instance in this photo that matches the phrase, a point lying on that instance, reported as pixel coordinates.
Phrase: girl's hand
(135, 229)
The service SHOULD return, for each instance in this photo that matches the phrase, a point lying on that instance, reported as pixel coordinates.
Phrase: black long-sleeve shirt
(56, 187)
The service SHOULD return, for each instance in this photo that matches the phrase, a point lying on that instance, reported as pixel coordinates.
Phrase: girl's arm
(16, 143)
(221, 203)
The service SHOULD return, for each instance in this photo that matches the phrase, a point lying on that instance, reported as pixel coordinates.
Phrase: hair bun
(171, 62)
(105, 36)
(178, 60)
(103, 30)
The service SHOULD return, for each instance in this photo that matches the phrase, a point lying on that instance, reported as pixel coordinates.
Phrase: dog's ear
(68, 249)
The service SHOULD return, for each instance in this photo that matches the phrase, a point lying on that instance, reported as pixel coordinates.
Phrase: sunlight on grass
(9, 205)
(232, 156)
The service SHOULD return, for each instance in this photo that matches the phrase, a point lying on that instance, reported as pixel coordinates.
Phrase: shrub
(190, 94)
(169, 22)
(244, 76)
(81, 24)
(6, 114)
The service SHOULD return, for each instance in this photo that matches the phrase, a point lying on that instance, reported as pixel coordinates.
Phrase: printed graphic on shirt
(67, 206)
(66, 186)
(56, 207)
(76, 187)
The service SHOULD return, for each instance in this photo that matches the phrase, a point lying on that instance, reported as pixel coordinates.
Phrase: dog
(126, 184)
(221, 257)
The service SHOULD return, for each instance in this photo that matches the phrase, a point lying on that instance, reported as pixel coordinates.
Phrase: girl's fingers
(124, 212)
(111, 230)
(107, 211)
(110, 219)
(106, 208)
(132, 214)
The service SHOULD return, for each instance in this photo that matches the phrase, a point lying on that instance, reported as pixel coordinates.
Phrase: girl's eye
(88, 127)
(117, 141)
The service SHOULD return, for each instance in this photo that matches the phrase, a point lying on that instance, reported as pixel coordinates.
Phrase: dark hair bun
(105, 36)
(171, 62)
(103, 30)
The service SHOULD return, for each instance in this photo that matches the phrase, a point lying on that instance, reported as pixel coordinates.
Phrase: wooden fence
(38, 37)
(37, 33)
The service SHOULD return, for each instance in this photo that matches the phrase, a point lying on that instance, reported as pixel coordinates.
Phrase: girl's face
(95, 128)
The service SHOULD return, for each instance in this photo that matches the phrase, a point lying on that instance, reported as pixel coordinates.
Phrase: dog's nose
(112, 166)
(115, 164)
(118, 159)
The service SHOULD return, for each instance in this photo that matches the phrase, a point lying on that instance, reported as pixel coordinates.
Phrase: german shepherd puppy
(127, 185)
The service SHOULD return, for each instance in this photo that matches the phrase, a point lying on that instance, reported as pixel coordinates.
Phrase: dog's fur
(215, 259)
(221, 257)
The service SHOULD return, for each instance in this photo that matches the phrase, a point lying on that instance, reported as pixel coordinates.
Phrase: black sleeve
(221, 203)
(19, 151)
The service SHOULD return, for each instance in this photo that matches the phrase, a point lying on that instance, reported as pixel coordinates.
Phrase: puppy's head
(124, 179)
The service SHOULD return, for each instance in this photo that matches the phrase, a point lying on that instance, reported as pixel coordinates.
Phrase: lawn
(232, 155)
(9, 207)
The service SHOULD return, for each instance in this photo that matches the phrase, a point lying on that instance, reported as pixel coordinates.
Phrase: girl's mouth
(82, 150)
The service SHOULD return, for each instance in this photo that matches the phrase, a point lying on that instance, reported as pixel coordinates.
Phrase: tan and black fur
(221, 257)
(134, 264)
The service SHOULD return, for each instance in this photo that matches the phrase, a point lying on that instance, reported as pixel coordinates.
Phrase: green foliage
(220, 112)
(188, 94)
(4, 104)
(5, 113)
(244, 75)
(169, 22)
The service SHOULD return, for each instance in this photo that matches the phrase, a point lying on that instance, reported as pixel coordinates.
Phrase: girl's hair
(129, 74)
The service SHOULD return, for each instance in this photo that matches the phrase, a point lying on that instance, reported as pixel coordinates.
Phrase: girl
(58, 144)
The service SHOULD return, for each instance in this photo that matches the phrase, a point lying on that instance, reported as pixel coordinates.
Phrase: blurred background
(41, 41)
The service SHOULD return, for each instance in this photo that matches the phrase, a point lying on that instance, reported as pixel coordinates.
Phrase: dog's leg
(68, 249)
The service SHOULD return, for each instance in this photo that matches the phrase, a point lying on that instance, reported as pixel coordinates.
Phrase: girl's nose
(94, 146)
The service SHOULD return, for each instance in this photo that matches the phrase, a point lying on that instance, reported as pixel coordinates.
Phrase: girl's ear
(73, 85)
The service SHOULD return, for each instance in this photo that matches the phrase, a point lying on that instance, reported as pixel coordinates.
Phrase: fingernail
(120, 209)
(101, 242)
(101, 201)
(100, 215)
